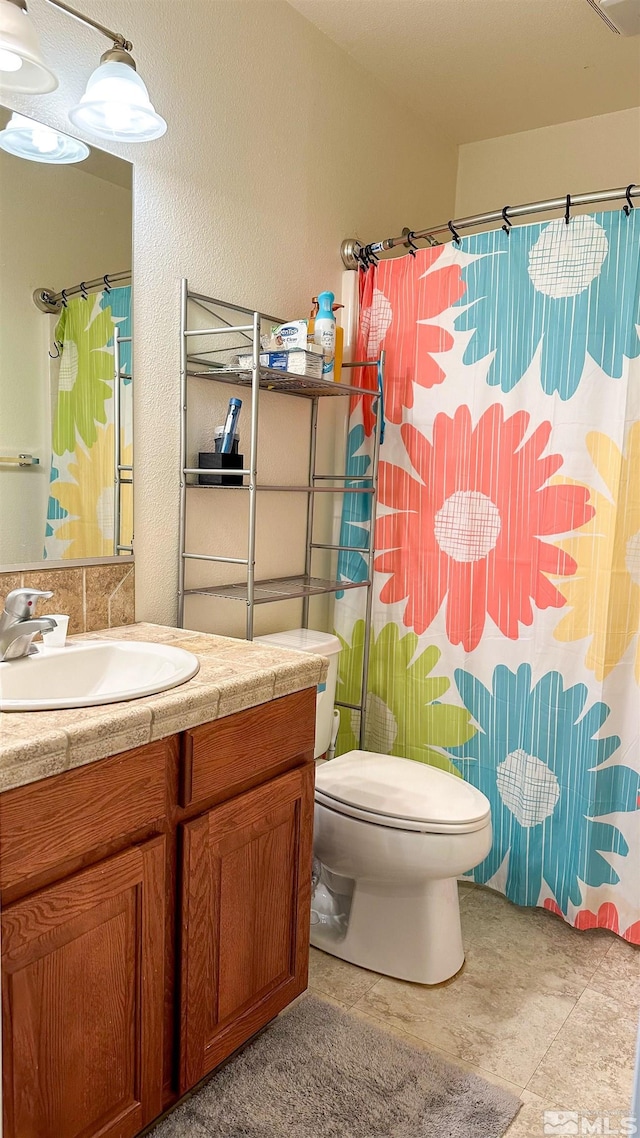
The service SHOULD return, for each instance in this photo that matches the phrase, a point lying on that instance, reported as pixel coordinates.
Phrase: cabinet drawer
(238, 750)
(52, 821)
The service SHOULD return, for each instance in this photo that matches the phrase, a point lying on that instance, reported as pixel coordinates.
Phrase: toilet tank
(321, 644)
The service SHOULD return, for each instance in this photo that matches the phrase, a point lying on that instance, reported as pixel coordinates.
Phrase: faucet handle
(20, 604)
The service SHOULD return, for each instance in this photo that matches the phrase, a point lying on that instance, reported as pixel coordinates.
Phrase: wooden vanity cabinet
(83, 997)
(155, 915)
(245, 917)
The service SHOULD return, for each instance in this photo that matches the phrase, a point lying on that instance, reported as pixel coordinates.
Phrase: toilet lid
(401, 793)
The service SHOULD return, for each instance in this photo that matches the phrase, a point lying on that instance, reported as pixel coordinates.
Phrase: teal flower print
(538, 758)
(356, 513)
(571, 291)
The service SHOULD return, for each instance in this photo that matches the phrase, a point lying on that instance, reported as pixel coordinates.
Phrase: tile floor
(550, 1012)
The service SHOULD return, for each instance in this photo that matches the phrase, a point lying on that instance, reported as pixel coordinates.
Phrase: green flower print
(86, 366)
(404, 716)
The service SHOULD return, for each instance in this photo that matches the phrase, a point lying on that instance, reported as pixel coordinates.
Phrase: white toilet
(392, 835)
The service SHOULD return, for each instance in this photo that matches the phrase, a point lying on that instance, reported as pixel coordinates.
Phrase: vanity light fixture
(116, 103)
(29, 139)
(22, 68)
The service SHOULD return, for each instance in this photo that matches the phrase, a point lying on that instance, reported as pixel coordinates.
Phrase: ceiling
(482, 68)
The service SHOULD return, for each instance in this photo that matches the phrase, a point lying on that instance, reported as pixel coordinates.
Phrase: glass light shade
(116, 105)
(22, 67)
(27, 138)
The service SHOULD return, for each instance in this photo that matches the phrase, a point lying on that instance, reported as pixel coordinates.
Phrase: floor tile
(618, 976)
(415, 1041)
(590, 1063)
(538, 1006)
(486, 1016)
(549, 954)
(529, 1122)
(330, 976)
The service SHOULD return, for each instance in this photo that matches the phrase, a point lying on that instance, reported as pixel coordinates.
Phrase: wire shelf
(272, 379)
(278, 589)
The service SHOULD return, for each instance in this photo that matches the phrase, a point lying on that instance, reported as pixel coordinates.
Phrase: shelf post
(310, 504)
(253, 477)
(372, 533)
(184, 301)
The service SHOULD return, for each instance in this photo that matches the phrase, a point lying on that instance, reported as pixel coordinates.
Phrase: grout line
(125, 577)
(427, 1045)
(84, 598)
(561, 1028)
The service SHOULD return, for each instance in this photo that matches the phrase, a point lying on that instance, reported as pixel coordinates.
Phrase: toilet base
(410, 933)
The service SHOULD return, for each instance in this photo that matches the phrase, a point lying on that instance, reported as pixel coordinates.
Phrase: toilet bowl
(392, 835)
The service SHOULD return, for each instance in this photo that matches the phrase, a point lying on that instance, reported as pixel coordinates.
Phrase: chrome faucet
(18, 627)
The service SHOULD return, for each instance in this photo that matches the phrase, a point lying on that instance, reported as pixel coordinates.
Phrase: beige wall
(574, 157)
(58, 225)
(278, 147)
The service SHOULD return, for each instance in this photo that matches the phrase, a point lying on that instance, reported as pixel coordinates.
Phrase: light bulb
(45, 140)
(117, 116)
(9, 61)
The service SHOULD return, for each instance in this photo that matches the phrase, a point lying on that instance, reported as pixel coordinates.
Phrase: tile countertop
(234, 674)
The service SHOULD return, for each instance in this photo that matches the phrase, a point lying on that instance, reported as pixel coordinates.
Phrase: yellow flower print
(604, 594)
(89, 502)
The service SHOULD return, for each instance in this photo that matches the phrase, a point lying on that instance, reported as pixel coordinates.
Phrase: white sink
(101, 671)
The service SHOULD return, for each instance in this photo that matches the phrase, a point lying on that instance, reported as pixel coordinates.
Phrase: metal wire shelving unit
(246, 335)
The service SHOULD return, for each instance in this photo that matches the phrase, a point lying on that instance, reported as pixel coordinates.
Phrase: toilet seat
(385, 790)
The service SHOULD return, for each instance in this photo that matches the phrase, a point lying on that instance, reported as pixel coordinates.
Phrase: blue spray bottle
(324, 332)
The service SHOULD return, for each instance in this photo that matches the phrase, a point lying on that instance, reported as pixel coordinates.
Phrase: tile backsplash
(94, 596)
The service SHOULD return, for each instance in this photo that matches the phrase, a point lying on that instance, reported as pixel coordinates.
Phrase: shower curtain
(81, 503)
(506, 610)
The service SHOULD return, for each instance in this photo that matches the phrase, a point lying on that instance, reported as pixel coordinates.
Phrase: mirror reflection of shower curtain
(80, 521)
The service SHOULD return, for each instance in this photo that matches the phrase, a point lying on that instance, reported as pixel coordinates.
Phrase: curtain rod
(49, 301)
(354, 254)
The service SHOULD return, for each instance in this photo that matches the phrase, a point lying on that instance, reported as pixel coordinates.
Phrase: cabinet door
(245, 917)
(82, 998)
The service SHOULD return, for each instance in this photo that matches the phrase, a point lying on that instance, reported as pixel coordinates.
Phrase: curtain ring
(454, 234)
(83, 290)
(107, 286)
(409, 242)
(508, 225)
(567, 212)
(629, 204)
(63, 298)
(365, 258)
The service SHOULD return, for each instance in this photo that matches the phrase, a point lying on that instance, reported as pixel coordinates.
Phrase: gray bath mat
(319, 1072)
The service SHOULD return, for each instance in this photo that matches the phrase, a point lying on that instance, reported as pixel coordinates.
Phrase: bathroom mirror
(65, 288)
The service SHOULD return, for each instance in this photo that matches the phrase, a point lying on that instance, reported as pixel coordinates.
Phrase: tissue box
(293, 334)
(296, 361)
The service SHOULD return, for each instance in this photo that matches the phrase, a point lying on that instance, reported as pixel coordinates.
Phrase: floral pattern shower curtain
(506, 613)
(81, 504)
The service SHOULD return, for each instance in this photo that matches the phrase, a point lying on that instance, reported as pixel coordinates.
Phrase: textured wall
(278, 147)
(574, 157)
